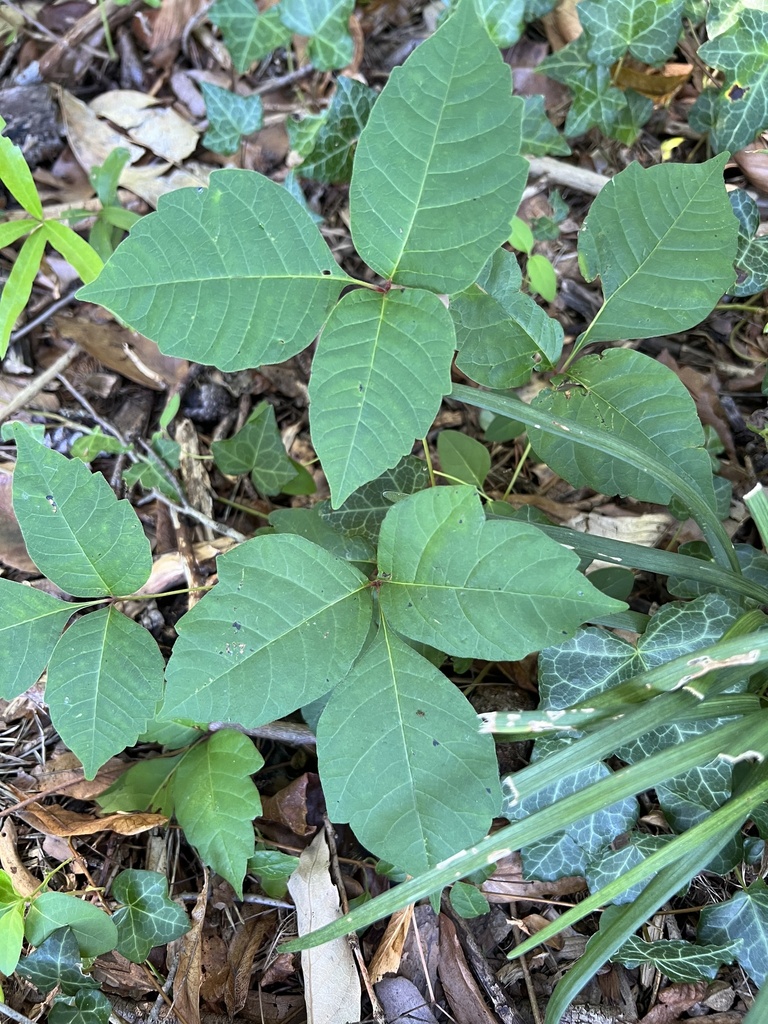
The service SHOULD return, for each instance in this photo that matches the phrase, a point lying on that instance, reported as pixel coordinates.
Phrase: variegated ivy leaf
(325, 23)
(326, 141)
(248, 34)
(504, 19)
(740, 109)
(540, 137)
(648, 29)
(678, 960)
(744, 916)
(751, 253)
(230, 118)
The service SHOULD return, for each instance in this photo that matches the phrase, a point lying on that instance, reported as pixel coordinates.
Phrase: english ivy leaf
(326, 23)
(146, 786)
(754, 565)
(292, 186)
(148, 918)
(610, 865)
(230, 118)
(744, 916)
(468, 901)
(11, 936)
(258, 449)
(248, 34)
(57, 961)
(463, 458)
(327, 141)
(724, 14)
(634, 397)
(477, 588)
(31, 624)
(678, 960)
(402, 760)
(216, 802)
(503, 335)
(634, 234)
(742, 106)
(307, 523)
(752, 252)
(594, 661)
(362, 514)
(382, 367)
(649, 29)
(539, 135)
(596, 101)
(87, 1006)
(185, 277)
(273, 870)
(568, 852)
(94, 930)
(504, 20)
(76, 531)
(282, 626)
(448, 115)
(105, 681)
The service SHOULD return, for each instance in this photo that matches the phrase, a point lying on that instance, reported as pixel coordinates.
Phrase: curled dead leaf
(54, 820)
(658, 84)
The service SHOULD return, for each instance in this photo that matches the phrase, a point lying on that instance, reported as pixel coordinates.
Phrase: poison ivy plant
(350, 607)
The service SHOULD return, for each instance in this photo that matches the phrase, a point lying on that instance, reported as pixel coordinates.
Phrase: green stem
(679, 484)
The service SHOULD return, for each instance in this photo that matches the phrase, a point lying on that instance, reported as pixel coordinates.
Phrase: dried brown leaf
(55, 820)
(386, 959)
(186, 984)
(460, 987)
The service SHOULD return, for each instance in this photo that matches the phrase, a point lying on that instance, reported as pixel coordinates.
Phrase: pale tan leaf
(55, 820)
(90, 138)
(186, 984)
(331, 982)
(159, 129)
(386, 959)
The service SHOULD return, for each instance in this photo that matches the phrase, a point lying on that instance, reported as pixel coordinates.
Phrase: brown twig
(37, 385)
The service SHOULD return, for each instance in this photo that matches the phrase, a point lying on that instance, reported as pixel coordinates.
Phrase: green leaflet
(11, 936)
(381, 369)
(146, 786)
(402, 761)
(633, 398)
(307, 523)
(477, 588)
(18, 286)
(632, 239)
(189, 281)
(230, 117)
(647, 28)
(216, 802)
(741, 108)
(326, 141)
(248, 34)
(282, 626)
(148, 918)
(17, 177)
(504, 20)
(30, 625)
(325, 23)
(502, 334)
(448, 118)
(76, 531)
(462, 458)
(94, 930)
(105, 681)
